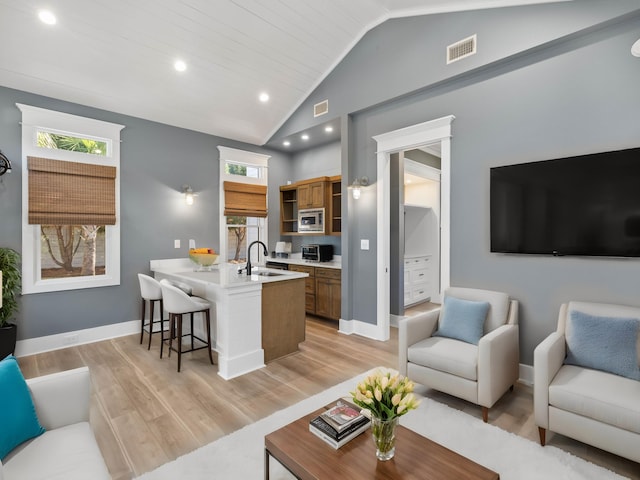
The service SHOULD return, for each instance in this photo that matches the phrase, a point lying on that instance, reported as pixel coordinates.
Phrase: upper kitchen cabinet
(288, 209)
(335, 205)
(312, 194)
(316, 193)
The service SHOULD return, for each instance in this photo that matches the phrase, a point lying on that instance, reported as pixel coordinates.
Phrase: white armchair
(589, 404)
(480, 373)
(68, 449)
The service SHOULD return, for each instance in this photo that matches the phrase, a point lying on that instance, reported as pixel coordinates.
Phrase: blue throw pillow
(603, 343)
(462, 320)
(18, 419)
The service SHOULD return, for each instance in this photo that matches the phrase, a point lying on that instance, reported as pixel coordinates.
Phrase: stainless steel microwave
(311, 220)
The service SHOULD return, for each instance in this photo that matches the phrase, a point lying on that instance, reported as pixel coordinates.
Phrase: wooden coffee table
(309, 458)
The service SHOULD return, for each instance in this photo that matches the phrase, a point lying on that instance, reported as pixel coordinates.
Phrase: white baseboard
(526, 374)
(395, 319)
(32, 346)
(364, 329)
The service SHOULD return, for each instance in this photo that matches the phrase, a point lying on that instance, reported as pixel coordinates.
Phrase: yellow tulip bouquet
(387, 396)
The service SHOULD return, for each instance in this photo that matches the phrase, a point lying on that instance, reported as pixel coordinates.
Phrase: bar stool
(151, 292)
(177, 303)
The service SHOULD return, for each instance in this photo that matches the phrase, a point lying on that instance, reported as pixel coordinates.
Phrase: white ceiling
(118, 55)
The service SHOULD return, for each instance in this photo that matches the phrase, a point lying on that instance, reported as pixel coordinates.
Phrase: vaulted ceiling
(119, 55)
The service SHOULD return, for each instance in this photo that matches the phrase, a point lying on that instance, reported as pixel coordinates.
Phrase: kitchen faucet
(266, 253)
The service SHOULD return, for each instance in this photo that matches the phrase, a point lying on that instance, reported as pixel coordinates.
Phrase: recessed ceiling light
(305, 137)
(264, 97)
(47, 17)
(286, 143)
(328, 129)
(180, 66)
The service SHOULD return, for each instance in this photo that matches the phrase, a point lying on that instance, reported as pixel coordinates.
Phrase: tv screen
(585, 205)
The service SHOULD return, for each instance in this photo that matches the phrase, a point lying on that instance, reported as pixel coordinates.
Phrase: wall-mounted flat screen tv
(586, 205)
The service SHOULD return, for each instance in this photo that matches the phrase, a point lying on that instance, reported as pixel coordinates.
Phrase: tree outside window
(241, 231)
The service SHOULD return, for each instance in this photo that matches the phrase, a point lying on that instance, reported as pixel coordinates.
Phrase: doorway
(389, 144)
(421, 202)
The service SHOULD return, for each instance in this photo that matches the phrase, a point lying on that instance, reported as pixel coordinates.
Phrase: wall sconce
(635, 48)
(356, 186)
(188, 194)
(5, 164)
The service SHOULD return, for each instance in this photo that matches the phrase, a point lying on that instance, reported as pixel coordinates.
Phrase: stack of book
(339, 424)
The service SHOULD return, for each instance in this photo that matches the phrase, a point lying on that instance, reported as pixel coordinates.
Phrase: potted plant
(11, 288)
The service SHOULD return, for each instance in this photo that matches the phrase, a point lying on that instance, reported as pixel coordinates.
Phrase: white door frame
(393, 142)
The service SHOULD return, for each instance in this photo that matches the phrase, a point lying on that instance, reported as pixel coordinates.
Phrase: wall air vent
(321, 108)
(461, 49)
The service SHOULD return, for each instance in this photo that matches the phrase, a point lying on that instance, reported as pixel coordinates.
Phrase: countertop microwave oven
(317, 253)
(311, 220)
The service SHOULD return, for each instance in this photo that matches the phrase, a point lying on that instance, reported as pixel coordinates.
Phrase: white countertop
(223, 275)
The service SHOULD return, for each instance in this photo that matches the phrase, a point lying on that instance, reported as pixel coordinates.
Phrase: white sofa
(68, 449)
(593, 406)
(480, 373)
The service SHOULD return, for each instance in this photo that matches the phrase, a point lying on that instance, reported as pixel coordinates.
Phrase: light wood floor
(145, 414)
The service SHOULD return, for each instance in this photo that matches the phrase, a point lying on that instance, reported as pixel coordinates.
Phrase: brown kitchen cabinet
(309, 286)
(323, 290)
(335, 205)
(288, 209)
(328, 292)
(312, 195)
(283, 323)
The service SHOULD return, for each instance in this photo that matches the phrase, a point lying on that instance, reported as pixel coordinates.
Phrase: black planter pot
(8, 337)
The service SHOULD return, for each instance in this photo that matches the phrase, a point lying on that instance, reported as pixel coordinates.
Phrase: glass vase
(384, 436)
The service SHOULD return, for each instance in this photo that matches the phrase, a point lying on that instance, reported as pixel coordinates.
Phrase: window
(50, 139)
(70, 208)
(251, 171)
(243, 202)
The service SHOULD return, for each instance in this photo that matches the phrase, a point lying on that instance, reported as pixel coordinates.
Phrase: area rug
(240, 455)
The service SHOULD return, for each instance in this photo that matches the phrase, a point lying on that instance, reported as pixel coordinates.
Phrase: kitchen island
(254, 318)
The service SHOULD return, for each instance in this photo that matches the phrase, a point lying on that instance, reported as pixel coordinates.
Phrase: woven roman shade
(245, 200)
(71, 193)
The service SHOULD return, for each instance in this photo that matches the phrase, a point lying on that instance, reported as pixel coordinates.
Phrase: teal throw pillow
(18, 419)
(462, 320)
(603, 343)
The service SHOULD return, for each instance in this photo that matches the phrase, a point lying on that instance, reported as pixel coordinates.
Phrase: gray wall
(320, 161)
(156, 160)
(550, 81)
(316, 162)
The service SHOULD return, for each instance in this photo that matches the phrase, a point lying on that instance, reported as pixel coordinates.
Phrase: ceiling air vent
(321, 108)
(461, 49)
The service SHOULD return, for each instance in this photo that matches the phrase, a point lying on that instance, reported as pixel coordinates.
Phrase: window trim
(34, 119)
(248, 158)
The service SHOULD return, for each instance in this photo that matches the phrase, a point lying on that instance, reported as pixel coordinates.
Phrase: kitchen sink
(267, 274)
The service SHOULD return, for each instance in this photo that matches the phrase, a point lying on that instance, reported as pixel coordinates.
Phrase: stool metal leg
(162, 333)
(161, 327)
(192, 344)
(172, 322)
(142, 319)
(208, 322)
(179, 338)
(151, 307)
